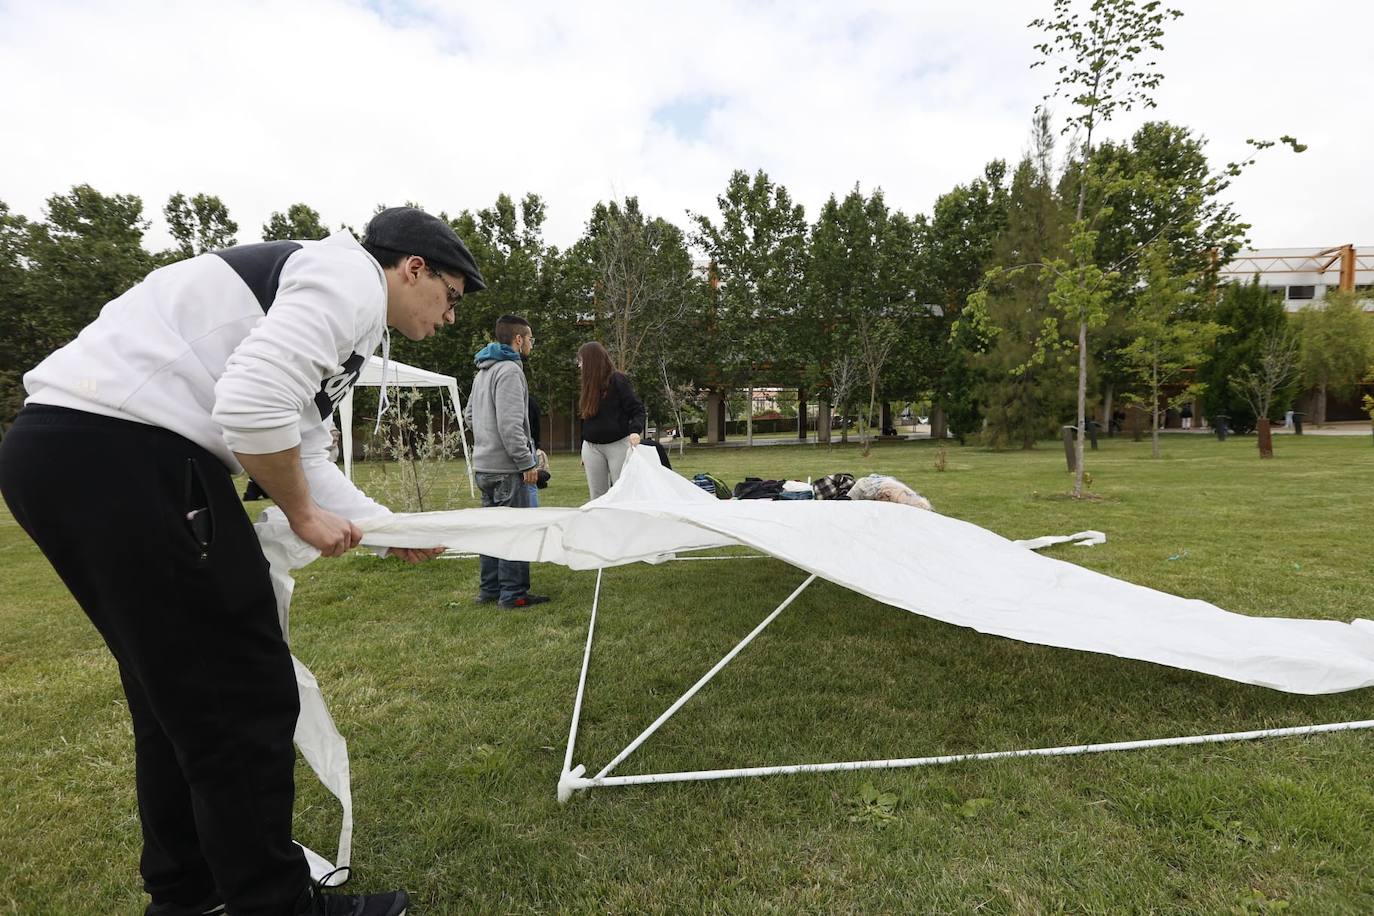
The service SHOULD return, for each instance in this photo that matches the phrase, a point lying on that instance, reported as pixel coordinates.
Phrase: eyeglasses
(454, 294)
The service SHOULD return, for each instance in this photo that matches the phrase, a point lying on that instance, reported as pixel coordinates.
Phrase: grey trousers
(603, 463)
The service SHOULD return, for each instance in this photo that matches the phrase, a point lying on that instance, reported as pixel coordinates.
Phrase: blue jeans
(505, 580)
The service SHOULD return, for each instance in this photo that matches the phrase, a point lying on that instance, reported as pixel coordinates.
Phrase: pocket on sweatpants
(198, 516)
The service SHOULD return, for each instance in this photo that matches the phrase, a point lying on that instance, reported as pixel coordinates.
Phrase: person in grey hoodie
(503, 453)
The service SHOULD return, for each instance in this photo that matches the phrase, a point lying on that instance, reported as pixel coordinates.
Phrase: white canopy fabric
(929, 564)
(909, 558)
(399, 374)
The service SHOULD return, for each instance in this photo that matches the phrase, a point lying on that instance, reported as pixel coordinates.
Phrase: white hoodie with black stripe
(244, 350)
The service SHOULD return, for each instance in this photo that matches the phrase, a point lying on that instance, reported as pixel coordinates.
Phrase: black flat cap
(406, 230)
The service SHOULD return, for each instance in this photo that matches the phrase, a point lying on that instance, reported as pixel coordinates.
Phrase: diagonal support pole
(692, 691)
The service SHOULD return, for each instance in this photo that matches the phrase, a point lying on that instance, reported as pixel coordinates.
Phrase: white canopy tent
(399, 374)
(930, 565)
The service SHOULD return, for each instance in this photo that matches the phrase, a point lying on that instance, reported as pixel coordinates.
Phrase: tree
(1247, 313)
(1275, 368)
(1098, 73)
(1336, 346)
(299, 222)
(844, 375)
(197, 225)
(1167, 338)
(876, 333)
(758, 252)
(17, 351)
(1023, 374)
(643, 278)
(956, 250)
(87, 251)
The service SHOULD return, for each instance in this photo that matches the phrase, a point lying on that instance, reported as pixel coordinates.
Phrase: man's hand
(413, 555)
(531, 477)
(634, 439)
(330, 534)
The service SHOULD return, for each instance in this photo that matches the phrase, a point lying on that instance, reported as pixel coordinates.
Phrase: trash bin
(1221, 426)
(1297, 422)
(1070, 433)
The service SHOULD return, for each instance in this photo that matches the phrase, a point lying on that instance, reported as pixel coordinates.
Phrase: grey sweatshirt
(498, 408)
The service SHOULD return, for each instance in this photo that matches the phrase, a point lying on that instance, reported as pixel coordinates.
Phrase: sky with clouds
(344, 104)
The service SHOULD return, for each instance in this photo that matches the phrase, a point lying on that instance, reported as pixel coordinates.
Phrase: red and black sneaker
(526, 600)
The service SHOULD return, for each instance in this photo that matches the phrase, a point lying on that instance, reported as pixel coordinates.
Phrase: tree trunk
(801, 414)
(1320, 418)
(1266, 439)
(938, 427)
(1082, 405)
(1107, 406)
(749, 416)
(823, 420)
(1154, 396)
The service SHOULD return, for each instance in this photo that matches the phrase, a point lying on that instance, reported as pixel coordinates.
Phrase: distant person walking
(1186, 416)
(612, 417)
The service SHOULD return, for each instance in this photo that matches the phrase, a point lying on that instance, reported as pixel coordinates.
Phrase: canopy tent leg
(703, 775)
(565, 788)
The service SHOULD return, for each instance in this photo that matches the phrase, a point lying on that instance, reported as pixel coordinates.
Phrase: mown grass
(457, 717)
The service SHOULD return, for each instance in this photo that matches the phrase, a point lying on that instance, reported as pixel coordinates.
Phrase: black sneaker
(525, 600)
(485, 599)
(210, 906)
(315, 901)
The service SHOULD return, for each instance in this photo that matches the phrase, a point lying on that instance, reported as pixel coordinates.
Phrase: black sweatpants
(187, 609)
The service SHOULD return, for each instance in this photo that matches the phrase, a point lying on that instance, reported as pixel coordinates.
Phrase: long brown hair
(597, 370)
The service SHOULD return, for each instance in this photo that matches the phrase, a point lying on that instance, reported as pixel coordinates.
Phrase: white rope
(704, 679)
(702, 775)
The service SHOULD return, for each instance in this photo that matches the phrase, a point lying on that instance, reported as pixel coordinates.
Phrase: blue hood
(494, 353)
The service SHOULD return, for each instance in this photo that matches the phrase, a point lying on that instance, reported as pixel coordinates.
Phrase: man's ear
(411, 267)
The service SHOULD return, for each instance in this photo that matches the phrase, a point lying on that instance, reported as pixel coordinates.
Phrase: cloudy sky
(344, 104)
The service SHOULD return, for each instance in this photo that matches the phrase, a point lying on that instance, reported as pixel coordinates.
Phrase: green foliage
(1247, 313)
(759, 255)
(957, 247)
(644, 284)
(198, 225)
(1166, 338)
(299, 222)
(88, 251)
(1337, 346)
(1025, 374)
(418, 436)
(859, 288)
(874, 807)
(1099, 70)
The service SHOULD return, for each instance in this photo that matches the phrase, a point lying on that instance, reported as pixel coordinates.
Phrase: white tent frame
(398, 374)
(573, 779)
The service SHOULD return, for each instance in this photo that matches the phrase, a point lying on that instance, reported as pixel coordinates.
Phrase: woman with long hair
(612, 417)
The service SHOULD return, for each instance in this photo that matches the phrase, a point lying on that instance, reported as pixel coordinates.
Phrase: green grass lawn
(457, 716)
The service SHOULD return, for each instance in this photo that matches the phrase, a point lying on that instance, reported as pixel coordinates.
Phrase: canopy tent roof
(911, 559)
(922, 562)
(399, 374)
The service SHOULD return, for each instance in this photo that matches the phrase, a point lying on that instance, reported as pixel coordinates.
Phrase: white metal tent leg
(462, 435)
(565, 788)
(572, 779)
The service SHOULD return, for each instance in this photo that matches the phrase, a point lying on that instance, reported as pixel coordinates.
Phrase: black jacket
(621, 413)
